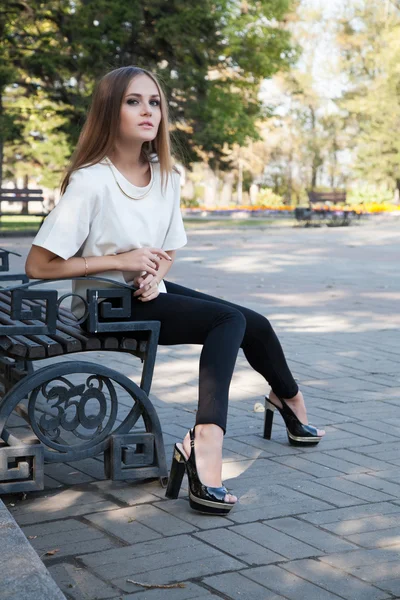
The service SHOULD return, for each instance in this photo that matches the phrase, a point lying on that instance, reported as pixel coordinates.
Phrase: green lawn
(29, 224)
(22, 224)
(198, 223)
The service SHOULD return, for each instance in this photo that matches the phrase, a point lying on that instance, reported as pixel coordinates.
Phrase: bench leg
(150, 357)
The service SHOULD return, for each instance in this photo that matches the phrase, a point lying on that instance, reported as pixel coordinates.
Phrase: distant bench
(22, 196)
(329, 216)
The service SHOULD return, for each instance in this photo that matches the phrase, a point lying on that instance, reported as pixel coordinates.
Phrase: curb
(23, 576)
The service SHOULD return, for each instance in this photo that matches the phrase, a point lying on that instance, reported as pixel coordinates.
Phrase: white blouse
(99, 214)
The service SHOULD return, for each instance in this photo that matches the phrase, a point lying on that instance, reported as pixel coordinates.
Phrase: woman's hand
(141, 281)
(142, 259)
(148, 287)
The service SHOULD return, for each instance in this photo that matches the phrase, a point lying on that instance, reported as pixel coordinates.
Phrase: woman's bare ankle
(208, 443)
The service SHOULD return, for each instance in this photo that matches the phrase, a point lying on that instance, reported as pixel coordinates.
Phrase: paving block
(67, 474)
(130, 494)
(58, 504)
(248, 514)
(139, 523)
(378, 572)
(318, 490)
(191, 591)
(376, 483)
(287, 584)
(366, 524)
(305, 466)
(392, 586)
(237, 587)
(66, 537)
(337, 515)
(358, 558)
(240, 547)
(79, 584)
(161, 561)
(377, 539)
(311, 534)
(333, 580)
(180, 508)
(276, 541)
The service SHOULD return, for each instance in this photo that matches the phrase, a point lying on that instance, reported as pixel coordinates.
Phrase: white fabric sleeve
(176, 235)
(67, 226)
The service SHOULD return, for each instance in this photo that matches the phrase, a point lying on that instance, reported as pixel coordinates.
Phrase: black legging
(221, 327)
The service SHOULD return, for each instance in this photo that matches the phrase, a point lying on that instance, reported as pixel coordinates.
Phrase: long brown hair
(100, 130)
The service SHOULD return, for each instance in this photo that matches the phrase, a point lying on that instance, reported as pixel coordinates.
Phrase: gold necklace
(109, 163)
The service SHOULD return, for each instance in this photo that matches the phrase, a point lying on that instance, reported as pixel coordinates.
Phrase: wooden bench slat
(37, 346)
(15, 190)
(73, 331)
(32, 348)
(69, 336)
(129, 344)
(69, 343)
(7, 343)
(23, 347)
(52, 347)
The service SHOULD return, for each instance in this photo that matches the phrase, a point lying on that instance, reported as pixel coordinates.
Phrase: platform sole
(209, 507)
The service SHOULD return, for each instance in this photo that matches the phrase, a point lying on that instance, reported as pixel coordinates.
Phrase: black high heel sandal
(205, 499)
(298, 434)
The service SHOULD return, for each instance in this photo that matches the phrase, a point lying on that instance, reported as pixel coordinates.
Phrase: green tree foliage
(210, 56)
(369, 38)
(9, 71)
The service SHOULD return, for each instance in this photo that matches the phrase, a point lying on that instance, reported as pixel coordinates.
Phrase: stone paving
(320, 523)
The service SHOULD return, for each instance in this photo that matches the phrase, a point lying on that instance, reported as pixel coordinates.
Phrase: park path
(320, 523)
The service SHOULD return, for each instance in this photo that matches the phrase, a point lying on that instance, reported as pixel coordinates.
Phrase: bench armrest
(5, 263)
(29, 304)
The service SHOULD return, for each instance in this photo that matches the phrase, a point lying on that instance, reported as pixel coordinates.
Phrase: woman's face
(140, 114)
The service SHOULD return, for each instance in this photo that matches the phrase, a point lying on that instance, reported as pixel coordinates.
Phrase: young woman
(119, 218)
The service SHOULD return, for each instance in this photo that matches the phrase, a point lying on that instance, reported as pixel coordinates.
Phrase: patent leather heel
(268, 419)
(176, 475)
(298, 434)
(202, 498)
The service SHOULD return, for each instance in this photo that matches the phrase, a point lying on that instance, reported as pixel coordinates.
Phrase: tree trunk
(397, 191)
(240, 183)
(290, 177)
(315, 153)
(24, 209)
(314, 175)
(1, 142)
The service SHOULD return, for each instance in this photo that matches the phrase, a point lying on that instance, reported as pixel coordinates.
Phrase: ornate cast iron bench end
(75, 409)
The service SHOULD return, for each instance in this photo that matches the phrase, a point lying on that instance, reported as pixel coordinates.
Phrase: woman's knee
(234, 317)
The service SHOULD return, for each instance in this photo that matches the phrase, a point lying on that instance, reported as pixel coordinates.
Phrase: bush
(268, 199)
(369, 195)
(189, 203)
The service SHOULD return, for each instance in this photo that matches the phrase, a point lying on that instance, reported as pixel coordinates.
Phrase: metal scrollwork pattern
(81, 410)
(76, 408)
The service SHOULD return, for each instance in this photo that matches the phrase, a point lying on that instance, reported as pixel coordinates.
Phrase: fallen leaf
(51, 552)
(32, 537)
(154, 585)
